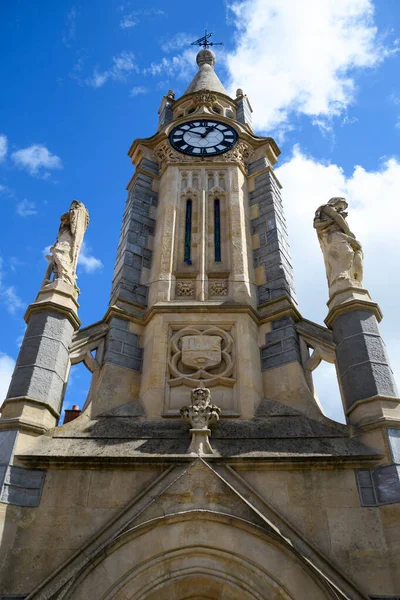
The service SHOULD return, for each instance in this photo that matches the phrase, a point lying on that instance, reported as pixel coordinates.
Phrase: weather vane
(204, 41)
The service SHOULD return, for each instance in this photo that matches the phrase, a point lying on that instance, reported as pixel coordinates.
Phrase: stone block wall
(133, 253)
(281, 344)
(272, 253)
(122, 346)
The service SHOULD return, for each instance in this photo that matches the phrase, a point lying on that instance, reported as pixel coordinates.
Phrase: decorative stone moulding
(200, 414)
(184, 288)
(240, 154)
(218, 287)
(204, 355)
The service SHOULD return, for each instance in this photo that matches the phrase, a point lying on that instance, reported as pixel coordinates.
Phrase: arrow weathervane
(203, 41)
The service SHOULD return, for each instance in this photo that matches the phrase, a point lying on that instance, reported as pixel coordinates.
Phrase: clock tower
(213, 250)
(202, 465)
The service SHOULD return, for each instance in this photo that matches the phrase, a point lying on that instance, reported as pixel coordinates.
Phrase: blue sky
(81, 80)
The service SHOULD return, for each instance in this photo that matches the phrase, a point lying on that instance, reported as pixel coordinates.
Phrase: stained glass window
(217, 231)
(188, 233)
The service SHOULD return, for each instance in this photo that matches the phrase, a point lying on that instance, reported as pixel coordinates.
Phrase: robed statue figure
(343, 255)
(65, 250)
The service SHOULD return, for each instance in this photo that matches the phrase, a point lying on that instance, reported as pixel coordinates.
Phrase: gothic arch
(198, 555)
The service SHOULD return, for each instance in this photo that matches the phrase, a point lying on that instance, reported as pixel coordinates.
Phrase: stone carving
(218, 287)
(184, 288)
(343, 255)
(65, 250)
(204, 97)
(200, 414)
(165, 154)
(201, 354)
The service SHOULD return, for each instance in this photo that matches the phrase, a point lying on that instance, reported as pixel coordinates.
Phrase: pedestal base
(200, 444)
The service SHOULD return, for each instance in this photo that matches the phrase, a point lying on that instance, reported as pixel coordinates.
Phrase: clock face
(203, 137)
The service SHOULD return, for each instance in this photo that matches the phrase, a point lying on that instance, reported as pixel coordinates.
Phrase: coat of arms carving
(201, 354)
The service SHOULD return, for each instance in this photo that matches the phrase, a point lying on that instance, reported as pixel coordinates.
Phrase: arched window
(188, 233)
(217, 231)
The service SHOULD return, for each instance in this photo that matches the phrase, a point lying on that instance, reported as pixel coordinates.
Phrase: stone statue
(200, 414)
(343, 255)
(66, 248)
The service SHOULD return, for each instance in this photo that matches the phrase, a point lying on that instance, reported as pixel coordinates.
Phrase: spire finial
(204, 41)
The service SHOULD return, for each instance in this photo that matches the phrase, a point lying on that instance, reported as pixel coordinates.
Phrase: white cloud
(7, 365)
(374, 214)
(26, 208)
(36, 157)
(177, 42)
(181, 66)
(3, 146)
(292, 60)
(8, 296)
(128, 21)
(69, 34)
(131, 19)
(138, 91)
(88, 262)
(122, 65)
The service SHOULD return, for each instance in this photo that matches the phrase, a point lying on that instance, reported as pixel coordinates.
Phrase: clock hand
(208, 129)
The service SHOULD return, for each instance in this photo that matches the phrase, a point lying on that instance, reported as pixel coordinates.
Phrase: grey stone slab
(353, 322)
(257, 165)
(44, 352)
(123, 336)
(394, 443)
(123, 360)
(133, 351)
(38, 383)
(7, 443)
(279, 334)
(360, 348)
(283, 322)
(3, 469)
(149, 165)
(277, 360)
(367, 380)
(271, 350)
(22, 487)
(26, 478)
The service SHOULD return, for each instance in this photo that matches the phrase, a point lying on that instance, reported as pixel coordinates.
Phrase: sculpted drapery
(343, 255)
(65, 250)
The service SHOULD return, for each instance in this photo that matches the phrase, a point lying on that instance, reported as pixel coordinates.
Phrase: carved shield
(201, 351)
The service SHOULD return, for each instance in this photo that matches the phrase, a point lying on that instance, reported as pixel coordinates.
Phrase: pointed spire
(206, 78)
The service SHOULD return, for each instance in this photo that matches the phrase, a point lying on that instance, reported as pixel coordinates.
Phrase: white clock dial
(204, 137)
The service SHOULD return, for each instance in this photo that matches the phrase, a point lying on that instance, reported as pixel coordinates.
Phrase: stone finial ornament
(343, 255)
(200, 414)
(65, 250)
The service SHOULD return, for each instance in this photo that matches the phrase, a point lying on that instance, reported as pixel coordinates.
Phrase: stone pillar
(272, 262)
(243, 110)
(35, 396)
(366, 378)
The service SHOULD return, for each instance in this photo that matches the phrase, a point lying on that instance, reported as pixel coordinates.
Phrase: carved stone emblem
(200, 414)
(218, 287)
(185, 288)
(201, 354)
(201, 351)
